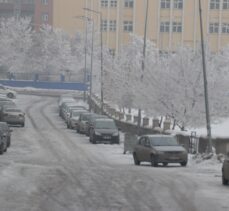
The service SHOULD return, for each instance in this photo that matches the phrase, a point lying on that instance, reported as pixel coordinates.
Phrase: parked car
(83, 122)
(13, 116)
(225, 170)
(159, 149)
(3, 143)
(69, 109)
(91, 120)
(62, 103)
(74, 118)
(4, 127)
(105, 131)
(7, 92)
(4, 105)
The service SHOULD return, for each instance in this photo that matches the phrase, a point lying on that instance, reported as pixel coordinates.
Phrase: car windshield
(105, 125)
(12, 110)
(163, 141)
(76, 113)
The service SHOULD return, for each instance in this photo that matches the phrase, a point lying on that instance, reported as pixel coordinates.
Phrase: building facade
(17, 8)
(171, 23)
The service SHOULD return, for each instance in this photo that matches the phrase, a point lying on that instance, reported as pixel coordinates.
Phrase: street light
(143, 60)
(92, 50)
(85, 51)
(101, 45)
(205, 83)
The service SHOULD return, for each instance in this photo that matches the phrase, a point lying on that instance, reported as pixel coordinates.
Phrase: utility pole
(85, 62)
(143, 62)
(205, 83)
(101, 46)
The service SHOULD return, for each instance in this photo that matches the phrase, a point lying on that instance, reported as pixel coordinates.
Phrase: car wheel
(184, 163)
(5, 150)
(154, 161)
(165, 164)
(8, 142)
(224, 181)
(136, 161)
(93, 140)
(10, 95)
(1, 149)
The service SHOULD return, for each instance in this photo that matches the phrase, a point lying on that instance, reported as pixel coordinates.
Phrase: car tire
(184, 163)
(8, 142)
(136, 161)
(224, 181)
(154, 162)
(93, 140)
(5, 150)
(1, 149)
(165, 164)
(10, 95)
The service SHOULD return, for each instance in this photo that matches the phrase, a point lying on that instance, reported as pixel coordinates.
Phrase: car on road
(4, 127)
(4, 105)
(13, 116)
(159, 149)
(7, 92)
(104, 131)
(225, 170)
(3, 142)
(91, 120)
(83, 122)
(74, 118)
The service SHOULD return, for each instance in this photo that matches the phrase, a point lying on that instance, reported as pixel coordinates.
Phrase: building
(16, 8)
(171, 23)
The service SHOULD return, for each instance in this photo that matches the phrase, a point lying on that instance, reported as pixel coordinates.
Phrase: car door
(140, 149)
(226, 167)
(147, 150)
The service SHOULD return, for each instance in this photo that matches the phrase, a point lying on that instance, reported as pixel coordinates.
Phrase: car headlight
(115, 134)
(97, 133)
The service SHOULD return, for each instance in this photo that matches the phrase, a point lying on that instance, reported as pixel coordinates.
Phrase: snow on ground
(49, 167)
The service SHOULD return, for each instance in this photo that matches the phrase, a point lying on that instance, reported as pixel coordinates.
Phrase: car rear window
(163, 141)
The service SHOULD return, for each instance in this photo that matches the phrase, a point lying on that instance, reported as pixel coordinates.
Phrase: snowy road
(51, 168)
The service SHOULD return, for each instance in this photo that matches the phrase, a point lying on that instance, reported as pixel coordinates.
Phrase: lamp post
(205, 83)
(101, 46)
(92, 52)
(143, 61)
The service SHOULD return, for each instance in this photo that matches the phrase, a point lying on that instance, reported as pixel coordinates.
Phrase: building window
(104, 25)
(177, 27)
(44, 2)
(225, 28)
(128, 26)
(165, 4)
(112, 25)
(214, 28)
(45, 17)
(112, 52)
(129, 3)
(113, 3)
(104, 3)
(214, 4)
(178, 4)
(164, 26)
(225, 4)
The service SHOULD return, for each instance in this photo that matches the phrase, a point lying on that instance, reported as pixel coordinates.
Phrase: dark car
(91, 120)
(225, 170)
(3, 142)
(105, 131)
(4, 127)
(159, 149)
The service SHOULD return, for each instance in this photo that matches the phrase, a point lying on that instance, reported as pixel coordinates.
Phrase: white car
(7, 92)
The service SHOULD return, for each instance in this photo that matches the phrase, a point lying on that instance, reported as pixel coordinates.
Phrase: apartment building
(171, 23)
(16, 8)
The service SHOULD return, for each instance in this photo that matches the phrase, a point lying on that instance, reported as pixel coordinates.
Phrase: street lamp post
(143, 61)
(92, 52)
(101, 46)
(205, 83)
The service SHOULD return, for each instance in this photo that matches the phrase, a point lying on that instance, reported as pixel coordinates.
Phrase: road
(51, 168)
